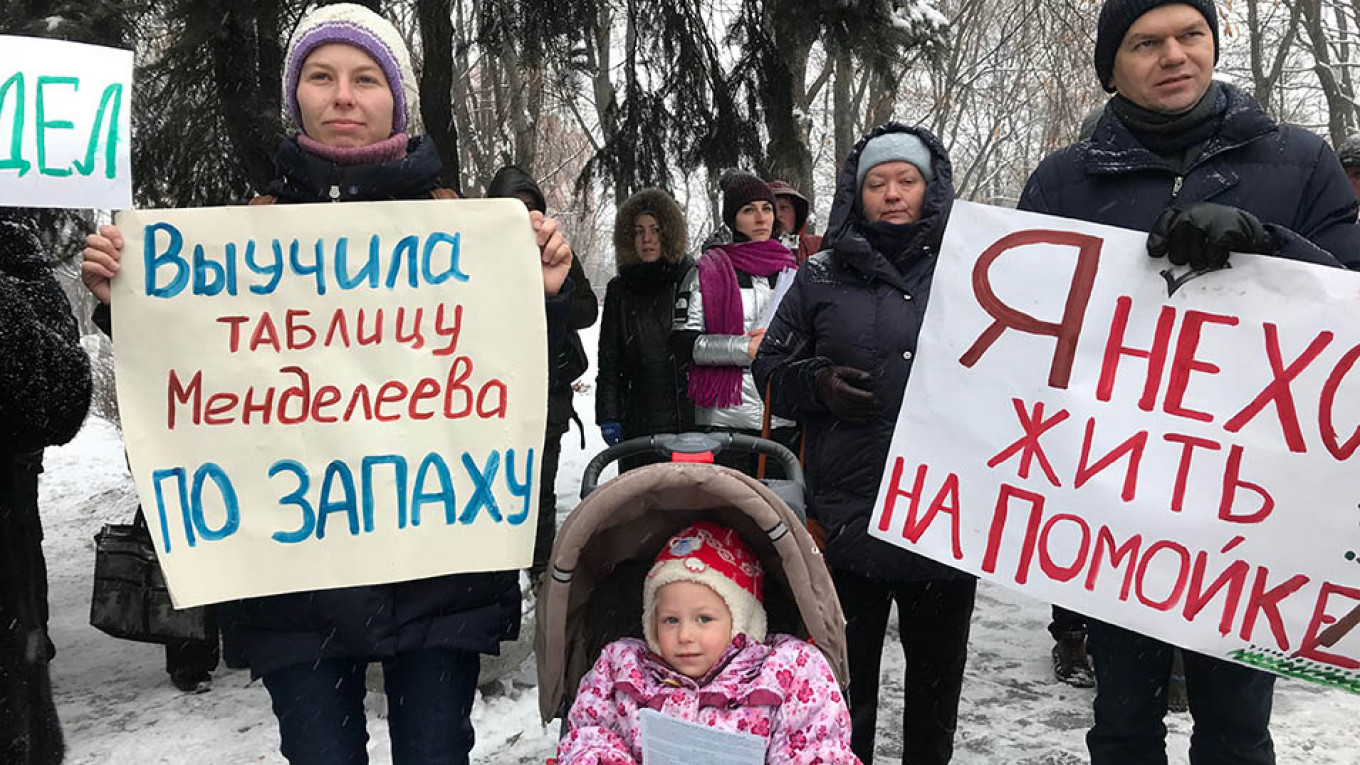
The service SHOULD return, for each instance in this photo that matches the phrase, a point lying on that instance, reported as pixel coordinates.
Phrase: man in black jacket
(1199, 165)
(564, 367)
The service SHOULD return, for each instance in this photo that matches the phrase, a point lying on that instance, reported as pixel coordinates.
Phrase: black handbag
(130, 599)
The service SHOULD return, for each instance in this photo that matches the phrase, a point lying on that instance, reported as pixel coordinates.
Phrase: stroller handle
(671, 444)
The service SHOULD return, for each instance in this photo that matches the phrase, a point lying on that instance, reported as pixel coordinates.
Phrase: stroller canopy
(593, 594)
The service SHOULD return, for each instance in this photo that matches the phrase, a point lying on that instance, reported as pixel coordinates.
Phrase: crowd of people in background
(770, 329)
(830, 369)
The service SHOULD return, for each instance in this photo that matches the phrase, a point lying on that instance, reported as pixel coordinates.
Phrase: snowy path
(118, 706)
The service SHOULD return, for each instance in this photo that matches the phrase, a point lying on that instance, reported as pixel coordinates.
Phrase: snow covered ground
(118, 705)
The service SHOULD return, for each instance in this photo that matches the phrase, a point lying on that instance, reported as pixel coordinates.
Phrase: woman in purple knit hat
(721, 312)
(349, 87)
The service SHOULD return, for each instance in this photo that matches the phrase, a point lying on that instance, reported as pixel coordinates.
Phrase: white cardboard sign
(318, 396)
(1183, 465)
(65, 124)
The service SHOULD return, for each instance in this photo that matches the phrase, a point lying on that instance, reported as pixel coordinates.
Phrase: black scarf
(900, 243)
(649, 278)
(303, 177)
(1174, 137)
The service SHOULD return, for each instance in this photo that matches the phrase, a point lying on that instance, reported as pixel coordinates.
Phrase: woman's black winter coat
(44, 394)
(640, 384)
(851, 306)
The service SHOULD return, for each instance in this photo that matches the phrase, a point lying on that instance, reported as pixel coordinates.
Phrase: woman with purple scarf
(721, 313)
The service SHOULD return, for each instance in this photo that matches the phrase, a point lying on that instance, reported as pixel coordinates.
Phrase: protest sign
(65, 124)
(1181, 464)
(318, 396)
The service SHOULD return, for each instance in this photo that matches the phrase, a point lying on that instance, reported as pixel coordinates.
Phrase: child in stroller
(740, 561)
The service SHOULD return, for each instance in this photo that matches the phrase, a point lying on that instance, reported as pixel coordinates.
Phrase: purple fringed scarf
(720, 387)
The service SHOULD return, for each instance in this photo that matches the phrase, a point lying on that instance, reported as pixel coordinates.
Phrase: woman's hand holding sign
(554, 252)
(100, 256)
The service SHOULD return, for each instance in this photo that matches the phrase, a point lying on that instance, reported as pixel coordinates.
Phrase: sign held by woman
(332, 395)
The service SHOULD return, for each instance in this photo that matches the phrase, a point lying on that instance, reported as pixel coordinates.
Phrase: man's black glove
(839, 388)
(1202, 235)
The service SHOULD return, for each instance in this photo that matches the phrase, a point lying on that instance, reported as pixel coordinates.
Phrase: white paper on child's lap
(1225, 518)
(378, 418)
(668, 741)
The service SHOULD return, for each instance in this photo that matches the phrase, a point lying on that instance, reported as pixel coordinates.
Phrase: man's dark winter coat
(462, 611)
(640, 384)
(851, 306)
(1284, 175)
(44, 393)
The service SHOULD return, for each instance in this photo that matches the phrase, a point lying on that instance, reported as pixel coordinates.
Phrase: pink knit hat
(715, 556)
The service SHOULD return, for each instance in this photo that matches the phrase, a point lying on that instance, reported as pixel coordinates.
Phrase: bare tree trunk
(843, 111)
(784, 77)
(253, 125)
(1338, 108)
(436, 84)
(521, 93)
(1263, 80)
(1344, 60)
(883, 96)
(475, 156)
(599, 54)
(625, 173)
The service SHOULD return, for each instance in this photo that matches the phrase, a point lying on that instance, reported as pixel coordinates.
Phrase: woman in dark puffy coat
(837, 357)
(640, 387)
(44, 393)
(349, 86)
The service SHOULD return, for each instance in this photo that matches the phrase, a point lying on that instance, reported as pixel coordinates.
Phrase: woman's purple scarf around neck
(720, 387)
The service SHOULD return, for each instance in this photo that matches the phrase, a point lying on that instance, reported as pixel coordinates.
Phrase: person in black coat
(565, 366)
(1199, 165)
(836, 358)
(1349, 154)
(640, 386)
(1220, 151)
(44, 394)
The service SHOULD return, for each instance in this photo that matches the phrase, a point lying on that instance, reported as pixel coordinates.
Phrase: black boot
(191, 680)
(1071, 664)
(1177, 700)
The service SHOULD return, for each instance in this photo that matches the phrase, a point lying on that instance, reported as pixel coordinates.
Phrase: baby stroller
(593, 594)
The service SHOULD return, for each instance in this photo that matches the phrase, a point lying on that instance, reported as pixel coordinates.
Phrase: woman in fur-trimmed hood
(670, 222)
(640, 385)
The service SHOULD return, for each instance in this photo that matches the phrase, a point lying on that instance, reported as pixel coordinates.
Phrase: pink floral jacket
(781, 689)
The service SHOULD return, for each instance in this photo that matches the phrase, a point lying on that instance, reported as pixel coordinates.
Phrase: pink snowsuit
(782, 690)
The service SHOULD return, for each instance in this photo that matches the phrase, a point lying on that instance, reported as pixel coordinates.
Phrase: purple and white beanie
(358, 26)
